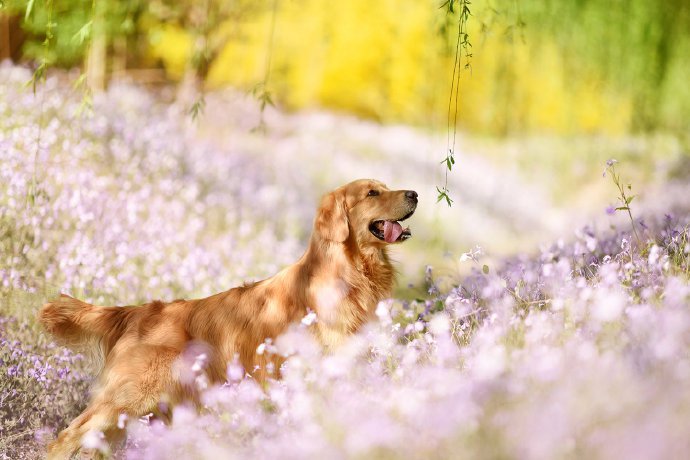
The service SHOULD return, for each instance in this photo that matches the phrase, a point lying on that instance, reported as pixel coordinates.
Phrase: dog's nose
(412, 195)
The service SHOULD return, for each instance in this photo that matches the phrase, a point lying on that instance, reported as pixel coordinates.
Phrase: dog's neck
(375, 265)
(372, 262)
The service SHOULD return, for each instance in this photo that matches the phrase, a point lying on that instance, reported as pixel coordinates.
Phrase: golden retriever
(341, 277)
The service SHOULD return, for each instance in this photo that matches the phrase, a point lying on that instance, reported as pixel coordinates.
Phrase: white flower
(94, 440)
(121, 421)
(383, 312)
(439, 324)
(490, 362)
(609, 306)
(547, 269)
(310, 318)
(201, 382)
(235, 371)
(199, 363)
(653, 255)
(146, 419)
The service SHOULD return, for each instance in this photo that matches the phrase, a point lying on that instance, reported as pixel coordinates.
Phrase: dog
(341, 277)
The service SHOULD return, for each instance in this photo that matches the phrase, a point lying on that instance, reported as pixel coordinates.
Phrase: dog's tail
(84, 327)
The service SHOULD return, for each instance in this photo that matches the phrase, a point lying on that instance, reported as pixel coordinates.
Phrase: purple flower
(525, 344)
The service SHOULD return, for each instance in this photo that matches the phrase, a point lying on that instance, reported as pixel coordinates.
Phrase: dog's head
(367, 211)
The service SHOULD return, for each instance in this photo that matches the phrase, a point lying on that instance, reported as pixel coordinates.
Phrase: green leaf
(38, 75)
(79, 82)
(29, 8)
(622, 208)
(197, 108)
(485, 269)
(31, 195)
(83, 34)
(127, 25)
(443, 195)
(86, 104)
(438, 306)
(629, 199)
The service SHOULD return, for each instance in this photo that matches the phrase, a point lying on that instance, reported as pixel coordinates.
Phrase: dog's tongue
(391, 231)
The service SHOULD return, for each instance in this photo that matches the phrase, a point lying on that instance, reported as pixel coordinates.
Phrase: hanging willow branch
(261, 91)
(462, 47)
(39, 74)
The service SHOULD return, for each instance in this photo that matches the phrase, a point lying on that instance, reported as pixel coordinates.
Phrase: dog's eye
(373, 193)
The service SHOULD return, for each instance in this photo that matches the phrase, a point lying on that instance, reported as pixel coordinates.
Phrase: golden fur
(342, 276)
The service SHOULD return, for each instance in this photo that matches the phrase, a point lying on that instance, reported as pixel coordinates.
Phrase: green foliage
(678, 249)
(449, 161)
(443, 194)
(462, 47)
(68, 25)
(640, 47)
(197, 108)
(624, 198)
(563, 67)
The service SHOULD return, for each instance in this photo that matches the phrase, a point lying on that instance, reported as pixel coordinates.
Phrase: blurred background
(551, 67)
(170, 149)
(333, 91)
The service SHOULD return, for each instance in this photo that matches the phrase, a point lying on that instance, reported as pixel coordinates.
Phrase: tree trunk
(96, 59)
(11, 37)
(119, 59)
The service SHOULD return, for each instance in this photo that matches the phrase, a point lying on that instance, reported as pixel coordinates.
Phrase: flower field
(578, 348)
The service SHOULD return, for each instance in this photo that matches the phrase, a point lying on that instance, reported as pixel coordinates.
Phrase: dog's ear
(331, 219)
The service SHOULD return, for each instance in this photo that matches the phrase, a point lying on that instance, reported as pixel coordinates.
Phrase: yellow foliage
(173, 46)
(387, 60)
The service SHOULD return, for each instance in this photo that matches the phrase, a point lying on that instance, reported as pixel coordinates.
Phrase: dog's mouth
(390, 231)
